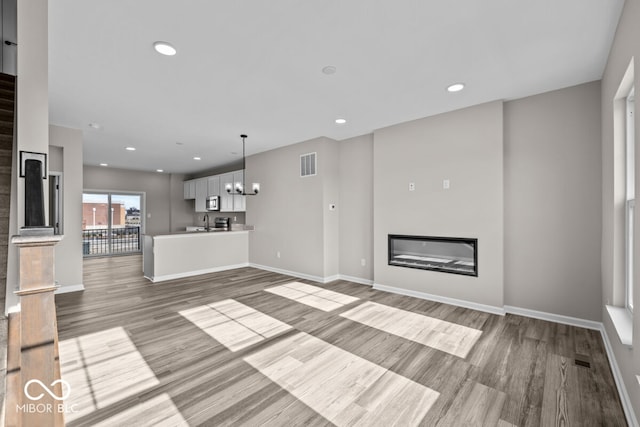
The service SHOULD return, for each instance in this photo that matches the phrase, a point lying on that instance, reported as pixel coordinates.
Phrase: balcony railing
(102, 242)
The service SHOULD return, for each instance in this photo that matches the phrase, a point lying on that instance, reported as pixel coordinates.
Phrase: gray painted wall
(331, 218)
(55, 159)
(68, 253)
(156, 186)
(552, 185)
(288, 215)
(626, 46)
(465, 147)
(292, 216)
(181, 210)
(356, 207)
(32, 120)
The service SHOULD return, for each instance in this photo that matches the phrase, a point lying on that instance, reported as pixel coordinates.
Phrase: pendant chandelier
(238, 187)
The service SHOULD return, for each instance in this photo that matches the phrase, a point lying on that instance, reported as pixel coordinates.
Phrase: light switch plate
(446, 184)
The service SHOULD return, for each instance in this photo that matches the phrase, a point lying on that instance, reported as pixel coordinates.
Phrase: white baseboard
(353, 279)
(311, 277)
(422, 295)
(69, 288)
(557, 318)
(331, 278)
(156, 279)
(617, 376)
(290, 273)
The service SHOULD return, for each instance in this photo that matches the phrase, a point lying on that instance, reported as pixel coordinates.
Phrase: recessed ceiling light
(329, 69)
(341, 121)
(95, 125)
(456, 87)
(197, 158)
(159, 170)
(165, 48)
(130, 148)
(103, 164)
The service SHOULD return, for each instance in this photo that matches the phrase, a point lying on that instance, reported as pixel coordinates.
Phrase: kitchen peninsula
(184, 254)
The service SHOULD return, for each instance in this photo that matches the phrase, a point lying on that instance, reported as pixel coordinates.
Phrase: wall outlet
(412, 186)
(235, 219)
(278, 254)
(363, 262)
(446, 184)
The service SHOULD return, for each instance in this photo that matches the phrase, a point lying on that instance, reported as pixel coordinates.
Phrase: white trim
(622, 323)
(289, 273)
(331, 278)
(69, 288)
(551, 317)
(182, 234)
(311, 277)
(353, 279)
(617, 377)
(422, 295)
(156, 279)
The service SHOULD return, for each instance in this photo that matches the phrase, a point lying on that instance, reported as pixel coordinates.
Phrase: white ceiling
(255, 67)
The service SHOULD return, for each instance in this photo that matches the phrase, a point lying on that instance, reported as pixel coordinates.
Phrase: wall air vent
(308, 164)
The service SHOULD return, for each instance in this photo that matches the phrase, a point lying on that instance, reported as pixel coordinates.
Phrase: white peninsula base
(173, 256)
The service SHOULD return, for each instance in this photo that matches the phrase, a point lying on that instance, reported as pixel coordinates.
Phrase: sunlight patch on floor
(439, 334)
(313, 296)
(342, 387)
(233, 324)
(157, 411)
(102, 368)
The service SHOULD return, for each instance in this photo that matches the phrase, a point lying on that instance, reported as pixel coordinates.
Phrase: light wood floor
(241, 348)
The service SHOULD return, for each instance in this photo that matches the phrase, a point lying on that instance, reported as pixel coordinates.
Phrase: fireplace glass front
(446, 254)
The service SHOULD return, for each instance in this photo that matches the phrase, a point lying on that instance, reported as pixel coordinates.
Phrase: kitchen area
(217, 241)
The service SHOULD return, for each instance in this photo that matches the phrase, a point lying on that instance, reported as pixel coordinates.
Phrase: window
(111, 223)
(630, 201)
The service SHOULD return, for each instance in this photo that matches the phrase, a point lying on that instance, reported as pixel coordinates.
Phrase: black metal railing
(119, 241)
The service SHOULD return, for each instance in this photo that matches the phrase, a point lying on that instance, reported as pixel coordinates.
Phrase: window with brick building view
(111, 223)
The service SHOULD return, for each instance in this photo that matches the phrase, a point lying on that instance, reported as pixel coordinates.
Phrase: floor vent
(581, 361)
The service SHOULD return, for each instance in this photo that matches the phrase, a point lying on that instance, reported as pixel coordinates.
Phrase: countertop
(212, 231)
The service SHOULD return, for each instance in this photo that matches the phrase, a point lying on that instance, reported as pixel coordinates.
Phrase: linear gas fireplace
(447, 254)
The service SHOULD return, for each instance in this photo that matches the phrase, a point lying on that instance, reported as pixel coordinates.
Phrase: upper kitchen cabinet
(231, 202)
(239, 202)
(213, 185)
(226, 199)
(201, 194)
(201, 188)
(190, 189)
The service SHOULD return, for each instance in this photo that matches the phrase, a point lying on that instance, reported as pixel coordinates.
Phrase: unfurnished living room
(319, 213)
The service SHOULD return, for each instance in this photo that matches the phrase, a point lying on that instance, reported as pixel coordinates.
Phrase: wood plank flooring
(137, 353)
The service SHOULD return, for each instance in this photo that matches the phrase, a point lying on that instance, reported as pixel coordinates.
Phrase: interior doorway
(55, 202)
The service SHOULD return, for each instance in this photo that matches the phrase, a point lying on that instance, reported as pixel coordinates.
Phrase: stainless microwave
(213, 203)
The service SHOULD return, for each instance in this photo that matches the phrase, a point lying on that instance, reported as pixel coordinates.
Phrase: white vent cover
(308, 164)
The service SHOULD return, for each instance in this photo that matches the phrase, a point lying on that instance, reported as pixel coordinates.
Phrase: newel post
(41, 397)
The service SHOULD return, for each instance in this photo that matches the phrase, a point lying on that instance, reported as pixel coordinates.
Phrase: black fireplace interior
(447, 254)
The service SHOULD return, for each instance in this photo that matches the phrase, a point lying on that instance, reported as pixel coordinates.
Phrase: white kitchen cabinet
(226, 199)
(239, 202)
(213, 185)
(201, 194)
(190, 189)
